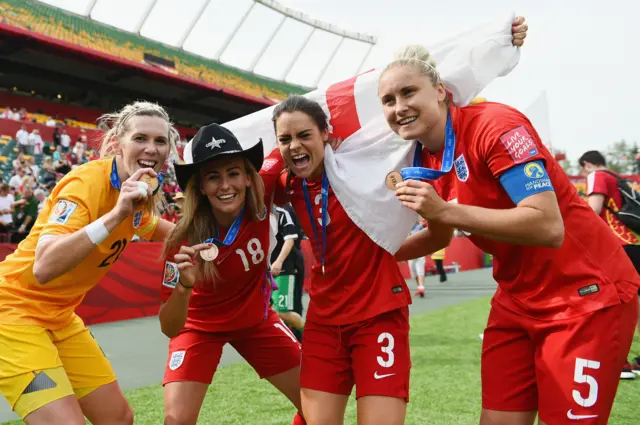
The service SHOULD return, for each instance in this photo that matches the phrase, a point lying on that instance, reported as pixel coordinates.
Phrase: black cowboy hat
(213, 141)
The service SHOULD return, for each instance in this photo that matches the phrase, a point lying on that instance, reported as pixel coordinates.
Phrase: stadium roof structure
(255, 49)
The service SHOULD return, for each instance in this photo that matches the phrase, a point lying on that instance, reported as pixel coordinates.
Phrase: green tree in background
(621, 157)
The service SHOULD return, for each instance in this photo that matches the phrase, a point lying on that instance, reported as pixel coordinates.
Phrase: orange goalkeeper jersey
(81, 197)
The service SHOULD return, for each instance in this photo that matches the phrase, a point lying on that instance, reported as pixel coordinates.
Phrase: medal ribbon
(420, 173)
(325, 204)
(115, 178)
(231, 234)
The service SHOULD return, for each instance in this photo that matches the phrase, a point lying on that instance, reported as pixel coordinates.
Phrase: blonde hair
(198, 223)
(28, 181)
(115, 125)
(419, 58)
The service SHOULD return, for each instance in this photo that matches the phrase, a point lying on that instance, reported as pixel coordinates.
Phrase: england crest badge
(462, 171)
(177, 357)
(137, 218)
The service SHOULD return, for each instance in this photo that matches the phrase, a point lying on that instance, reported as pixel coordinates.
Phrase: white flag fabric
(370, 150)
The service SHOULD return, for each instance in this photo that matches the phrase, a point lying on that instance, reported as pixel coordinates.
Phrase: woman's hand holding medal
(187, 262)
(421, 197)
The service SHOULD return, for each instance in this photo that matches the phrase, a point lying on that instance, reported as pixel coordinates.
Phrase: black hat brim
(184, 172)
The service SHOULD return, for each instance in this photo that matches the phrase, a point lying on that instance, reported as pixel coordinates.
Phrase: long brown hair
(199, 224)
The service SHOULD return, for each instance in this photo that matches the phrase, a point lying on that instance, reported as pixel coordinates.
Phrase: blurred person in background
(178, 198)
(605, 199)
(65, 142)
(284, 267)
(25, 212)
(22, 136)
(19, 162)
(35, 169)
(6, 208)
(171, 214)
(28, 181)
(57, 132)
(57, 154)
(47, 173)
(34, 140)
(438, 259)
(63, 166)
(16, 180)
(417, 265)
(41, 197)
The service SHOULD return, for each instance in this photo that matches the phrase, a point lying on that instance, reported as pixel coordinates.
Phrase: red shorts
(567, 370)
(270, 348)
(373, 355)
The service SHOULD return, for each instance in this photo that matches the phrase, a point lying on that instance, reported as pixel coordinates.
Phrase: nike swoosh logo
(578, 417)
(375, 375)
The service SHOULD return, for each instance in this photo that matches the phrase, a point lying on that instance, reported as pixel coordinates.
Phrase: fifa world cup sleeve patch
(62, 211)
(268, 164)
(171, 274)
(524, 180)
(519, 144)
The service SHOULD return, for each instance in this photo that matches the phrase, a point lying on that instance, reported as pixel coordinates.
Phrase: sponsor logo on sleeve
(519, 144)
(62, 211)
(171, 274)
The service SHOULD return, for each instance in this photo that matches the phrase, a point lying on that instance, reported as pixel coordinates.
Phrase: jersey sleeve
(513, 151)
(170, 278)
(597, 184)
(280, 195)
(72, 206)
(286, 225)
(147, 226)
(270, 172)
(507, 139)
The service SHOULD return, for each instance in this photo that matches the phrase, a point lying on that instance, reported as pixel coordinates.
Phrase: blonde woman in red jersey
(215, 288)
(52, 371)
(563, 317)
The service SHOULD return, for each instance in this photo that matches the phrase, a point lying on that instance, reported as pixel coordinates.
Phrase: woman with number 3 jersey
(51, 368)
(215, 288)
(357, 327)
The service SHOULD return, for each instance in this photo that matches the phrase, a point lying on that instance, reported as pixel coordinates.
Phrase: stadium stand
(55, 23)
(70, 115)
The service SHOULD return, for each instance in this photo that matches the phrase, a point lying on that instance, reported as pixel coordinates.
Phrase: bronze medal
(209, 254)
(392, 179)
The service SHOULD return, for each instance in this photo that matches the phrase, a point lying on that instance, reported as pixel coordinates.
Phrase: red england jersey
(239, 298)
(589, 272)
(361, 279)
(603, 183)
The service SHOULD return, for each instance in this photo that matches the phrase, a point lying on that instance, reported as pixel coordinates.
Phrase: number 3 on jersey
(254, 248)
(318, 201)
(387, 345)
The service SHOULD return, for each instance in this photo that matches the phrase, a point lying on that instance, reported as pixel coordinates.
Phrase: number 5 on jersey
(582, 375)
(254, 248)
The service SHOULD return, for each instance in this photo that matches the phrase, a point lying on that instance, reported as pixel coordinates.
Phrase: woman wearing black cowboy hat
(215, 288)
